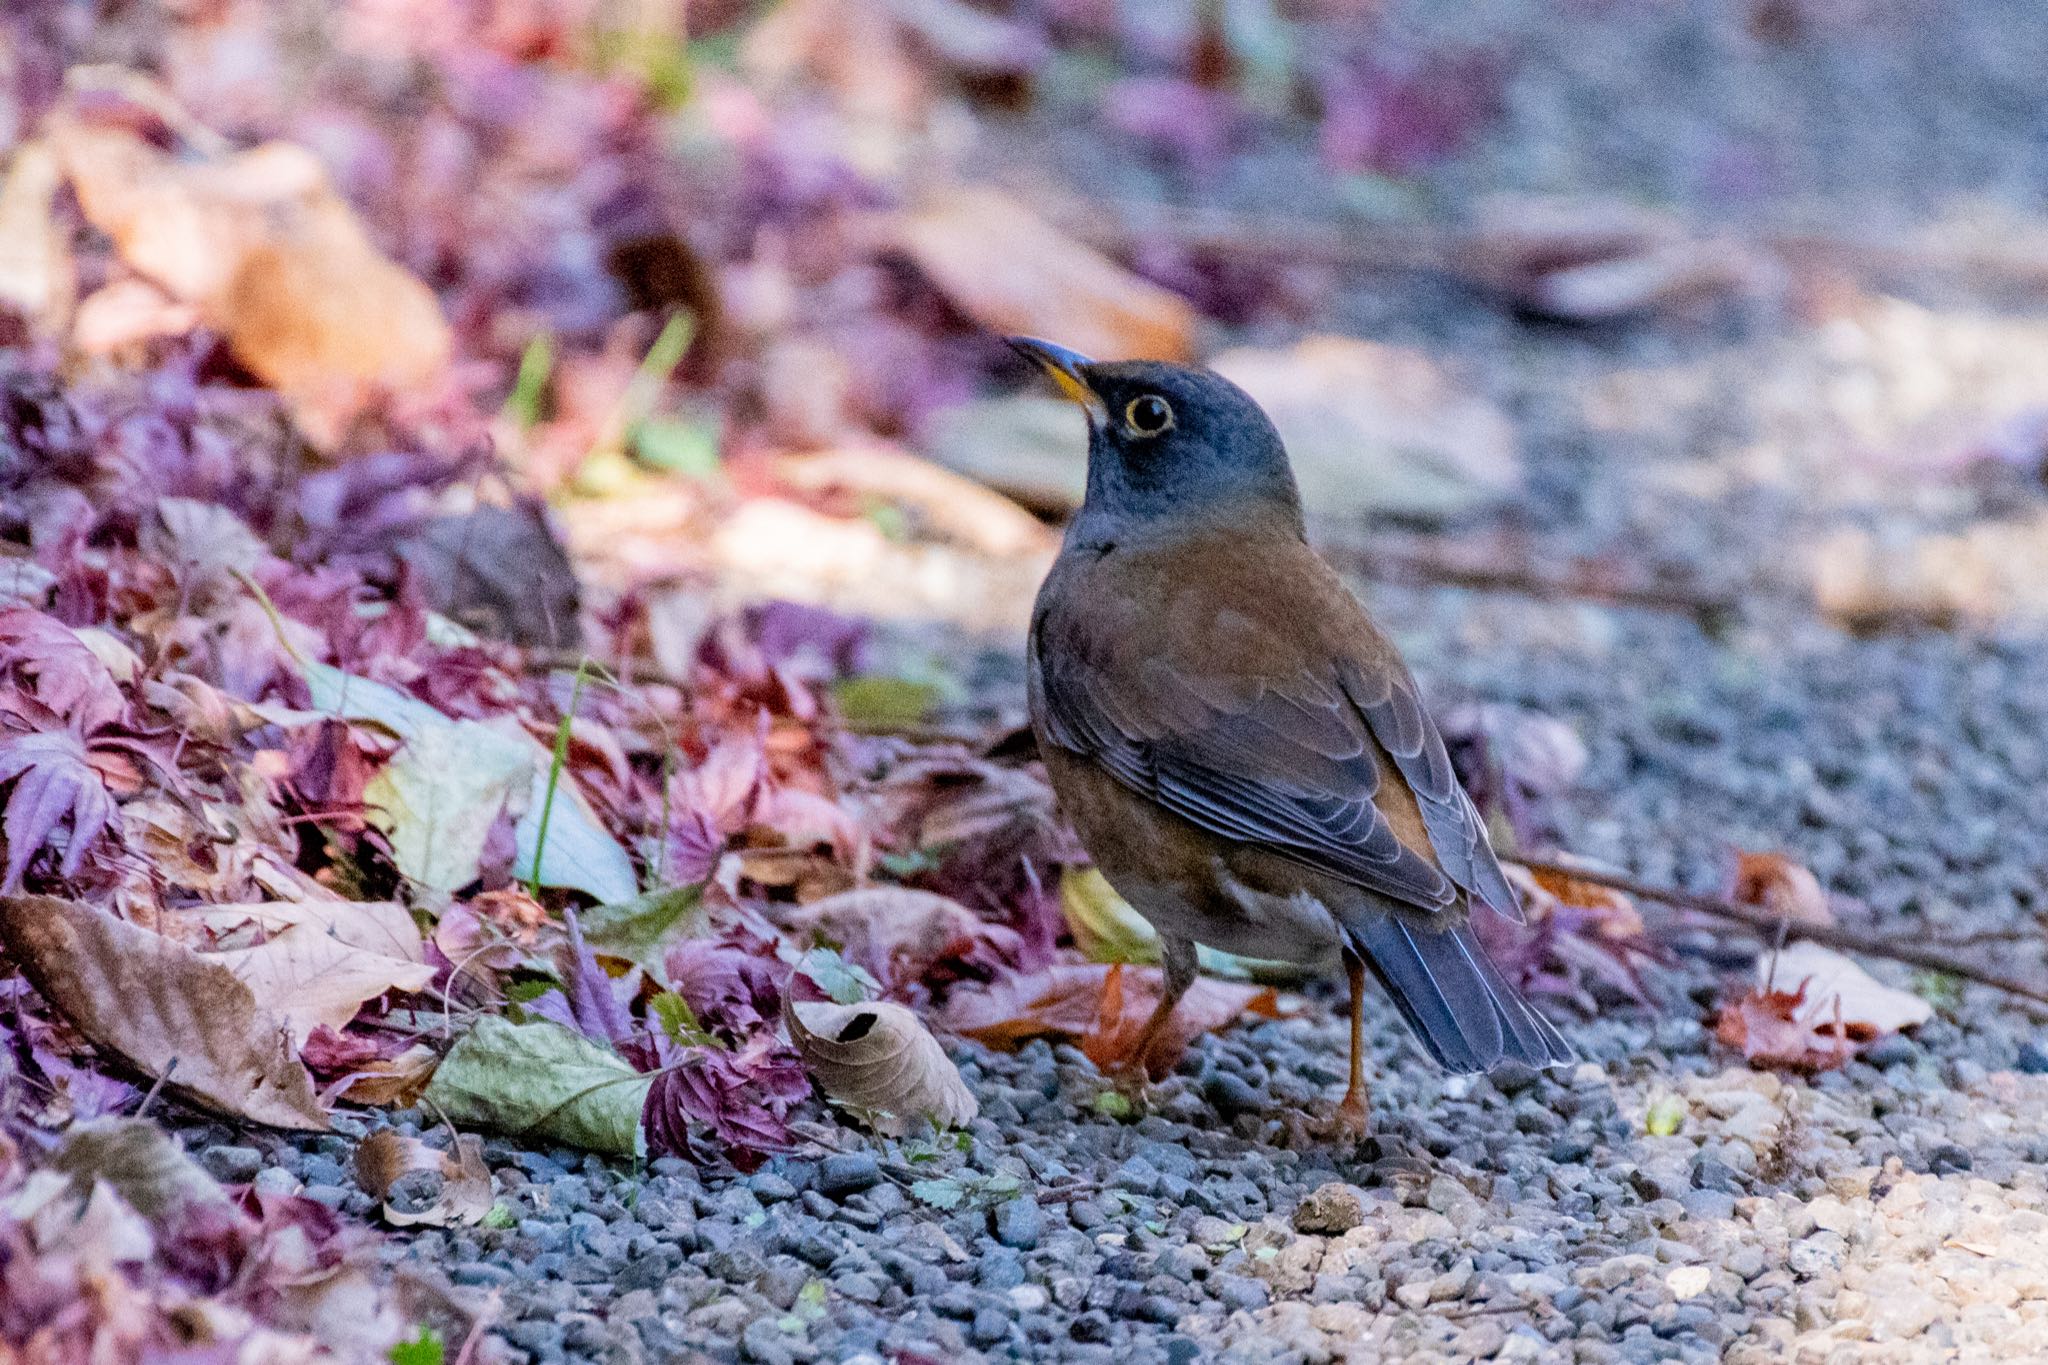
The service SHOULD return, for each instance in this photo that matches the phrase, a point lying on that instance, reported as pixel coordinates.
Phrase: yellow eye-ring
(1148, 415)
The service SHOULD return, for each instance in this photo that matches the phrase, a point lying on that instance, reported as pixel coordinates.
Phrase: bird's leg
(1177, 957)
(1353, 1115)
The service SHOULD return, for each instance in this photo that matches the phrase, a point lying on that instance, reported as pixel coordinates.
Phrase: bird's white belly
(1295, 928)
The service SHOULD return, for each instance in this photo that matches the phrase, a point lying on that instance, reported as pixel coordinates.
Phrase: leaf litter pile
(334, 775)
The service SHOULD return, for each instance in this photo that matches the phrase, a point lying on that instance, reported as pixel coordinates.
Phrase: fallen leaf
(879, 1058)
(395, 1083)
(37, 278)
(140, 1162)
(541, 1080)
(166, 1009)
(321, 960)
(1104, 925)
(128, 313)
(947, 505)
(1013, 272)
(1773, 882)
(1066, 1000)
(579, 854)
(741, 1097)
(271, 255)
(53, 779)
(502, 572)
(1766, 1027)
(460, 1186)
(1836, 987)
(780, 548)
(440, 794)
(1374, 429)
(898, 934)
(1597, 261)
(641, 930)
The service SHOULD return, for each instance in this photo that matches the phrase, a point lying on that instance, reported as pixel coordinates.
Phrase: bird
(1239, 747)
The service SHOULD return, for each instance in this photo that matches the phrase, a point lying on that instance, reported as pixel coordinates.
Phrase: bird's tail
(1455, 1000)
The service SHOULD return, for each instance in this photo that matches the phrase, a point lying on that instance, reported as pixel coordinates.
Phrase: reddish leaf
(1766, 1027)
(740, 1098)
(1105, 1006)
(53, 778)
(69, 678)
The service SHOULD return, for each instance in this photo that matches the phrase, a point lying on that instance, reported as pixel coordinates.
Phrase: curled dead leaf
(880, 1058)
(1595, 261)
(168, 1011)
(457, 1180)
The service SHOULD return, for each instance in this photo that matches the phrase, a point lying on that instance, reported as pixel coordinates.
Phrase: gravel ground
(1891, 1211)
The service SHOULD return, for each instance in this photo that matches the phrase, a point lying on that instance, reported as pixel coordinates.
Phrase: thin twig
(1712, 610)
(1769, 927)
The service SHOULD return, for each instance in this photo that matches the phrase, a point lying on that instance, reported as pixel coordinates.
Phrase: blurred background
(1697, 304)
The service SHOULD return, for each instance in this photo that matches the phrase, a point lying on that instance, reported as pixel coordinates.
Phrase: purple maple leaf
(740, 1098)
(55, 780)
(729, 989)
(593, 1003)
(69, 678)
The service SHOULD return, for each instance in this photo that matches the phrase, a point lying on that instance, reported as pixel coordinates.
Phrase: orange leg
(1353, 1114)
(1177, 956)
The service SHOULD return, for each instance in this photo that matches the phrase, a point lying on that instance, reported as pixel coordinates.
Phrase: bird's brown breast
(1228, 653)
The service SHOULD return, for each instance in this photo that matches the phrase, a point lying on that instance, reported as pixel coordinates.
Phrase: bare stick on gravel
(1773, 928)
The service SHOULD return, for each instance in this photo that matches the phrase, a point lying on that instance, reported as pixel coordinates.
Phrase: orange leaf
(1773, 882)
(1103, 1005)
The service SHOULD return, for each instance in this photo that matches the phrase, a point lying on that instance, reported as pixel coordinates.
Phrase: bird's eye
(1148, 415)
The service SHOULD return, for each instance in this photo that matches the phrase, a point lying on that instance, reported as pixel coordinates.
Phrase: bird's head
(1170, 440)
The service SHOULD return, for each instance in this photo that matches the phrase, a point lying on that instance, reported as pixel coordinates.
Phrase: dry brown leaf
(1067, 1000)
(272, 256)
(1767, 1028)
(1836, 987)
(162, 1007)
(128, 312)
(1614, 915)
(392, 1084)
(320, 960)
(1773, 882)
(142, 1163)
(464, 1183)
(37, 279)
(1812, 1009)
(1012, 271)
(955, 508)
(880, 1058)
(896, 933)
(778, 548)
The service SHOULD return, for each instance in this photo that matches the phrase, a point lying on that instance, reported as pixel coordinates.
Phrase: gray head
(1170, 440)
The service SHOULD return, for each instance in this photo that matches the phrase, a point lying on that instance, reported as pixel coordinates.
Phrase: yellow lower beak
(1064, 367)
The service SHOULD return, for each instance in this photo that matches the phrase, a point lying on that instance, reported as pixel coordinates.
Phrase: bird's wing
(1280, 718)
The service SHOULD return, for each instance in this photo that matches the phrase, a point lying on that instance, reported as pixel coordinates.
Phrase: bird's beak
(1064, 367)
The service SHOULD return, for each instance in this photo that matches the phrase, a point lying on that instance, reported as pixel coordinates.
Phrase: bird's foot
(1350, 1121)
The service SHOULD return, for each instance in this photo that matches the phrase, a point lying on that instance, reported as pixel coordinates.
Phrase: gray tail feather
(1454, 999)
